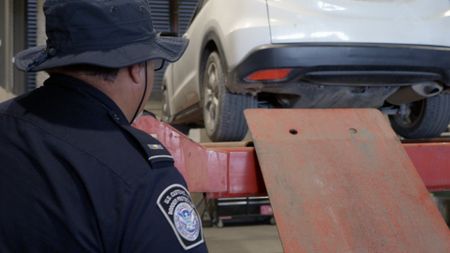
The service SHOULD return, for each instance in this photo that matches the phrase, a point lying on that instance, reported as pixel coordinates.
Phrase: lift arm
(232, 169)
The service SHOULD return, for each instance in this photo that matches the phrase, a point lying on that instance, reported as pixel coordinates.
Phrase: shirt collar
(89, 90)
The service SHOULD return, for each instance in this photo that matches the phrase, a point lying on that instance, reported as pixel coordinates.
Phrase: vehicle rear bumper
(349, 64)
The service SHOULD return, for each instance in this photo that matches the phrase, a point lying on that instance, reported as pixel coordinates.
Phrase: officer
(74, 175)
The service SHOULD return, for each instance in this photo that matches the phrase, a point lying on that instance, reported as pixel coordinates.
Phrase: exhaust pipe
(414, 93)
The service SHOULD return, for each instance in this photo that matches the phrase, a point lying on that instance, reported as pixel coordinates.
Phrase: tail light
(271, 75)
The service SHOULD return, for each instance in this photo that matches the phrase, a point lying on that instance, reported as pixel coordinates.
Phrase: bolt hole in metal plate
(353, 130)
(332, 191)
(293, 131)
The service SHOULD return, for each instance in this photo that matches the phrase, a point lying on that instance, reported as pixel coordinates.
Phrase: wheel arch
(211, 43)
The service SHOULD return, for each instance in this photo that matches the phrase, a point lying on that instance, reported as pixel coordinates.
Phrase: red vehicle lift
(339, 180)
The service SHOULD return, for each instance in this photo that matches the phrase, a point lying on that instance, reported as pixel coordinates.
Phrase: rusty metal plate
(339, 180)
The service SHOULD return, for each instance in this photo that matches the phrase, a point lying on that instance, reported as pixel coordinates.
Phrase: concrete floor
(243, 239)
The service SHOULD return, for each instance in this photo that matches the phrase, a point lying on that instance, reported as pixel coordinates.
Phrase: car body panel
(422, 22)
(364, 58)
(237, 36)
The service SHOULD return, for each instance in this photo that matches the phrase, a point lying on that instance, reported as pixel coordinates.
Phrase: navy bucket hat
(106, 33)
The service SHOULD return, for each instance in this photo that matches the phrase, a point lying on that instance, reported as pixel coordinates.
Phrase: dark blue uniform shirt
(76, 177)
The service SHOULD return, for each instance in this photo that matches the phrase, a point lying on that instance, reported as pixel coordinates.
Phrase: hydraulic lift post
(339, 180)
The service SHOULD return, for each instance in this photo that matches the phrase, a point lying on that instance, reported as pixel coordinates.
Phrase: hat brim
(167, 48)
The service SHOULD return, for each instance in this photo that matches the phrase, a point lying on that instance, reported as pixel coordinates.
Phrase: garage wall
(13, 37)
(30, 30)
(186, 10)
(31, 39)
(5, 45)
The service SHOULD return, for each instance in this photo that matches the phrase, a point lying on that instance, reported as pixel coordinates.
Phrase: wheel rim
(211, 106)
(413, 116)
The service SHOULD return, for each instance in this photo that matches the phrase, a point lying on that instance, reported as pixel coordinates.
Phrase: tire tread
(434, 122)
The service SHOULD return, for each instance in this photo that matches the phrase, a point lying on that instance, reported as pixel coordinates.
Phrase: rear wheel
(223, 111)
(427, 118)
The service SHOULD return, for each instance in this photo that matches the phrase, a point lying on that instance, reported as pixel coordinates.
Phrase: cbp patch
(176, 204)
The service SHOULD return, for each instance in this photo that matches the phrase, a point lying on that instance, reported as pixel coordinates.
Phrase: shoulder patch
(176, 204)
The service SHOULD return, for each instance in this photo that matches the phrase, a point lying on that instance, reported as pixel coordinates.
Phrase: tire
(223, 112)
(427, 118)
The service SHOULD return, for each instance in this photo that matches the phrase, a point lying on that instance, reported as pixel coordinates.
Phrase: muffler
(414, 93)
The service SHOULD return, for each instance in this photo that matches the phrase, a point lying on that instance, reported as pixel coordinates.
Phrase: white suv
(388, 54)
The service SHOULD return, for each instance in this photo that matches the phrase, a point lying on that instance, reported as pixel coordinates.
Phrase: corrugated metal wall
(31, 39)
(185, 11)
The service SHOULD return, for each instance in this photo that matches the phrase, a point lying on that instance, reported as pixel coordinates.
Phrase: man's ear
(134, 71)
